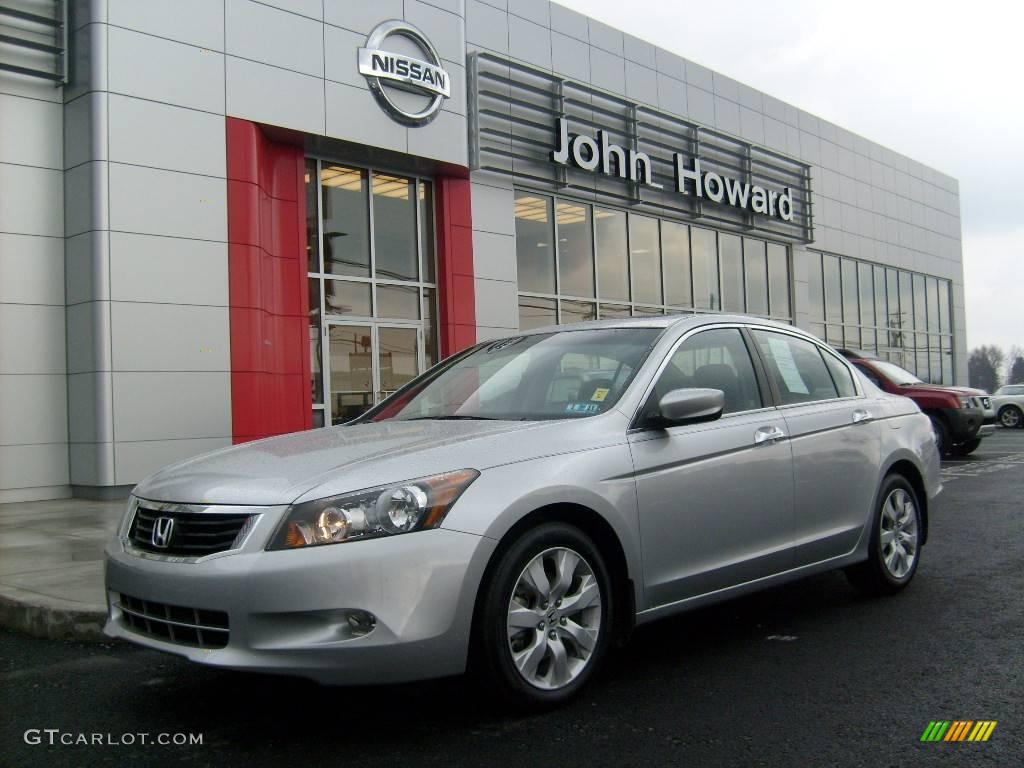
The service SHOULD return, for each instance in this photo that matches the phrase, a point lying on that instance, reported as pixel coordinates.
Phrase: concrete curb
(54, 619)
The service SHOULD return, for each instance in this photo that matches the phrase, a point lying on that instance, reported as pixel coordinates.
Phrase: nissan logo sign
(389, 70)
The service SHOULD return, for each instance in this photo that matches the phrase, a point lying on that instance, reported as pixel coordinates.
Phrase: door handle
(768, 435)
(860, 416)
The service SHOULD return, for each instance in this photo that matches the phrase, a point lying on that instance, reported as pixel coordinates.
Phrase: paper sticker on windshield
(599, 394)
(582, 408)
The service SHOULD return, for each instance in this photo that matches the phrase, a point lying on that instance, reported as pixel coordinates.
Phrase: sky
(938, 81)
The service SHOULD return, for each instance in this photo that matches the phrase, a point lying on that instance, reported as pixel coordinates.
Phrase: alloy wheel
(1010, 417)
(554, 618)
(899, 533)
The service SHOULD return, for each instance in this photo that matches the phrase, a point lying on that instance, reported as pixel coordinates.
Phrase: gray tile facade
(869, 202)
(114, 333)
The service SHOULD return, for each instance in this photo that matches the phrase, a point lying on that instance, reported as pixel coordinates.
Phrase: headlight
(386, 510)
(965, 402)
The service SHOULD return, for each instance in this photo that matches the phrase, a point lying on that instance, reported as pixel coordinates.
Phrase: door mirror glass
(690, 406)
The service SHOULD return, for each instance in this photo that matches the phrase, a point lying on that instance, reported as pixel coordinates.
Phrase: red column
(456, 292)
(269, 303)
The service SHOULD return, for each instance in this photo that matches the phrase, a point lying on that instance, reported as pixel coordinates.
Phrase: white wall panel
(261, 33)
(31, 269)
(169, 337)
(197, 22)
(271, 95)
(163, 136)
(163, 405)
(162, 70)
(157, 202)
(168, 269)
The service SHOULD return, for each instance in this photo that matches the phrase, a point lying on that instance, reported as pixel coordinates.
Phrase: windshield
(895, 374)
(560, 375)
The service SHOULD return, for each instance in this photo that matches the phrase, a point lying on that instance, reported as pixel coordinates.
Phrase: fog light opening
(361, 623)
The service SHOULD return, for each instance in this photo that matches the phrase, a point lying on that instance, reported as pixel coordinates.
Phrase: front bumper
(288, 611)
(964, 423)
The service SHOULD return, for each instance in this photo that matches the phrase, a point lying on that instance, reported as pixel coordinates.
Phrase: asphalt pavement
(810, 673)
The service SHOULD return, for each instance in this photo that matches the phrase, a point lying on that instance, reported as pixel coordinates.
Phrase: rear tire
(1011, 417)
(544, 617)
(964, 449)
(895, 546)
(941, 432)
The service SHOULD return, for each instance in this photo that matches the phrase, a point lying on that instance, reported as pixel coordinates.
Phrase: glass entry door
(366, 362)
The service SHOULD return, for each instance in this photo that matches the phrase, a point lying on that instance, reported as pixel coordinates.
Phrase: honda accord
(520, 507)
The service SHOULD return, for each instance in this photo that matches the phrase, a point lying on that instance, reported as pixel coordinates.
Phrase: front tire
(965, 449)
(1010, 416)
(545, 617)
(895, 547)
(941, 432)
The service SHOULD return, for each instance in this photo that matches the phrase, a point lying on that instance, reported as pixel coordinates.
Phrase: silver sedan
(520, 507)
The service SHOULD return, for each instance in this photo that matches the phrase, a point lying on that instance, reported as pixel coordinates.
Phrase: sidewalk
(51, 566)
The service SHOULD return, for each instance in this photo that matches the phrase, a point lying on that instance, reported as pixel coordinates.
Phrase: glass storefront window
(312, 228)
(815, 294)
(345, 298)
(730, 260)
(536, 313)
(704, 258)
(901, 316)
(346, 221)
(675, 258)
(866, 283)
(398, 301)
(778, 281)
(612, 254)
(575, 249)
(426, 220)
(614, 310)
(637, 265)
(535, 251)
(394, 228)
(372, 317)
(849, 278)
(578, 311)
(645, 259)
(755, 273)
(833, 289)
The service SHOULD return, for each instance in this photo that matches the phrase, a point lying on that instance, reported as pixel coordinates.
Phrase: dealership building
(227, 219)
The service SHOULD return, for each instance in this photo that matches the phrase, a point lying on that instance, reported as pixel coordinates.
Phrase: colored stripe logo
(958, 730)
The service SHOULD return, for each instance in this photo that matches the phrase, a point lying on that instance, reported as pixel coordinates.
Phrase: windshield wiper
(452, 417)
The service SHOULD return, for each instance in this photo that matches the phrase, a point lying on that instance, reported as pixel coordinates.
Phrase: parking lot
(806, 674)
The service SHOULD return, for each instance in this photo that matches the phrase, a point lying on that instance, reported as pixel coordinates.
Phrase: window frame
(822, 350)
(636, 422)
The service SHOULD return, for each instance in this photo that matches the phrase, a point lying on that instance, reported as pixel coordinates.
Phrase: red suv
(957, 413)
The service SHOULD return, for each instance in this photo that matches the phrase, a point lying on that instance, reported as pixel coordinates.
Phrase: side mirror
(690, 406)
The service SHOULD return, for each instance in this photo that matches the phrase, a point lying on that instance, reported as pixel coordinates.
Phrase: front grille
(192, 534)
(174, 623)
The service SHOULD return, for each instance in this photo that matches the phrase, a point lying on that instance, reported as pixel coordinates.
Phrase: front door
(716, 499)
(367, 362)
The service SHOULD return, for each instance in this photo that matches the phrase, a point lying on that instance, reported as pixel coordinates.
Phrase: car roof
(693, 320)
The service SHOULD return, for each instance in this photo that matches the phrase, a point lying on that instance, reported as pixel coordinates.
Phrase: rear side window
(795, 365)
(840, 375)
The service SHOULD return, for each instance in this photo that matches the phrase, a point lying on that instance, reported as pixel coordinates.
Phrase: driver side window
(715, 359)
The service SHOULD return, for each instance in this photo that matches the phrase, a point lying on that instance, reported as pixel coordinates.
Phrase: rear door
(834, 438)
(716, 499)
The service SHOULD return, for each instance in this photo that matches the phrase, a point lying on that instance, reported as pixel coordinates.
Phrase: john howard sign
(600, 155)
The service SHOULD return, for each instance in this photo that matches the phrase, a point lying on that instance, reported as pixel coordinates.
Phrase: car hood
(324, 462)
(928, 388)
